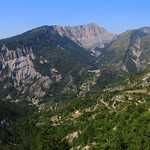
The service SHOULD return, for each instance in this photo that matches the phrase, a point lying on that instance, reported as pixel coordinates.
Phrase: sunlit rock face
(21, 70)
(88, 36)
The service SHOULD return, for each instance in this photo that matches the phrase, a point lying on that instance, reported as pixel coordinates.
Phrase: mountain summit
(89, 36)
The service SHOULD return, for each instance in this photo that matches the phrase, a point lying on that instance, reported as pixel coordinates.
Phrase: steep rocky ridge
(21, 70)
(89, 36)
(53, 60)
(40, 58)
(128, 52)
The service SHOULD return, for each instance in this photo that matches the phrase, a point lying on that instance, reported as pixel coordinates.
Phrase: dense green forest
(127, 130)
(108, 119)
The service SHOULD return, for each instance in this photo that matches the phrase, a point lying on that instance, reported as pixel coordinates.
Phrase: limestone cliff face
(19, 63)
(88, 36)
(130, 52)
(22, 71)
(133, 61)
(133, 55)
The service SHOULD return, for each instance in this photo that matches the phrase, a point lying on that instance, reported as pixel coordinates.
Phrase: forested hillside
(117, 117)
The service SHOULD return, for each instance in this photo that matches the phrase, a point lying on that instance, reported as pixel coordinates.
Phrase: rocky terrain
(22, 71)
(65, 60)
(129, 52)
(89, 36)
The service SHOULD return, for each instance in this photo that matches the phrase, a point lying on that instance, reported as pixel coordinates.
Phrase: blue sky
(116, 16)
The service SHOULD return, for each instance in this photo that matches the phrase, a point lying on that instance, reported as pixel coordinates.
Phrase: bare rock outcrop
(21, 70)
(89, 36)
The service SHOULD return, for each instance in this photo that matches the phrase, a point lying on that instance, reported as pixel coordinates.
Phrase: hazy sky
(18, 16)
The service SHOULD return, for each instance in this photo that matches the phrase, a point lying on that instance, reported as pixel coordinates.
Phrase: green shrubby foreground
(115, 118)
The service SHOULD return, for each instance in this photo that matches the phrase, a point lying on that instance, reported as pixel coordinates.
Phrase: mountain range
(63, 73)
(37, 60)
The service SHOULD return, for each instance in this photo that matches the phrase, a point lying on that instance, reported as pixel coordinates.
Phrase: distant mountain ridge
(130, 52)
(68, 59)
(89, 36)
(33, 61)
(145, 30)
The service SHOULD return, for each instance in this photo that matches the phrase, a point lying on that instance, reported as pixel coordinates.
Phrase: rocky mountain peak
(89, 36)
